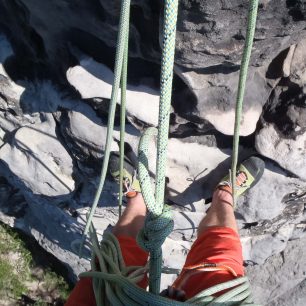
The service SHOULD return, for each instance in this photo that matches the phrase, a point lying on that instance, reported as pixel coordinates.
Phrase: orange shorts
(215, 257)
(133, 255)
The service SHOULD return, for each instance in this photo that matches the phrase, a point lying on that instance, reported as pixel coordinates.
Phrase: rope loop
(159, 223)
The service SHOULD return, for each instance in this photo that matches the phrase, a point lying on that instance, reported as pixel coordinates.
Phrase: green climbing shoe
(248, 174)
(130, 181)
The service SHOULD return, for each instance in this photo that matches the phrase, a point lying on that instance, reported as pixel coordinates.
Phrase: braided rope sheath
(252, 16)
(122, 117)
(159, 222)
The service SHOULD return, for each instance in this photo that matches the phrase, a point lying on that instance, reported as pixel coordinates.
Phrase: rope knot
(156, 230)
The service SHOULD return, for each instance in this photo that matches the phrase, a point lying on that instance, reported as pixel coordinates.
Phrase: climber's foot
(248, 174)
(131, 186)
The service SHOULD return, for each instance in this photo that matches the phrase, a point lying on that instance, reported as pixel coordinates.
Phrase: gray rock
(216, 98)
(289, 153)
(281, 279)
(281, 136)
(210, 40)
(10, 94)
(267, 200)
(85, 134)
(259, 248)
(298, 66)
(266, 238)
(288, 61)
(37, 161)
(209, 32)
(52, 227)
(92, 80)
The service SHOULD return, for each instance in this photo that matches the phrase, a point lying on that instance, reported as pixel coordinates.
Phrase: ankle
(223, 196)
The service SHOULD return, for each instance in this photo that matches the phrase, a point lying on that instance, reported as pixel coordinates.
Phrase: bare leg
(132, 219)
(220, 213)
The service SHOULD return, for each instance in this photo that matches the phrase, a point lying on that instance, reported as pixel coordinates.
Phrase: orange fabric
(82, 294)
(216, 245)
(133, 255)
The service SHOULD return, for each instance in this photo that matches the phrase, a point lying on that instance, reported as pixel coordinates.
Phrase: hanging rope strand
(121, 44)
(159, 222)
(169, 34)
(252, 16)
(122, 116)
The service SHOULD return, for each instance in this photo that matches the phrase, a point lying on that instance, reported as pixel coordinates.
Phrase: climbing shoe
(248, 174)
(130, 181)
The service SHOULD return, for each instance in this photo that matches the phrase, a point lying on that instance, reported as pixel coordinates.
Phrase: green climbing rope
(119, 67)
(113, 282)
(252, 16)
(122, 116)
(159, 222)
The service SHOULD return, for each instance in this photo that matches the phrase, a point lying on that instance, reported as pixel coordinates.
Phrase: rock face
(282, 136)
(210, 41)
(282, 278)
(55, 85)
(39, 160)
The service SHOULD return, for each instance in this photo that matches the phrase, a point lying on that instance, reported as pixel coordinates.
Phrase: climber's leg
(218, 244)
(132, 219)
(220, 213)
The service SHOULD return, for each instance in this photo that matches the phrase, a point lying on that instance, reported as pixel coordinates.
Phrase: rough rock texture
(55, 85)
(281, 279)
(39, 160)
(92, 79)
(282, 137)
(274, 186)
(209, 44)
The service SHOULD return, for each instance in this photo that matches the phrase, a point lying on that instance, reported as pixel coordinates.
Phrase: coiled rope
(113, 282)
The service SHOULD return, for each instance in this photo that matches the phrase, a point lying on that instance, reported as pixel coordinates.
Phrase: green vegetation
(19, 275)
